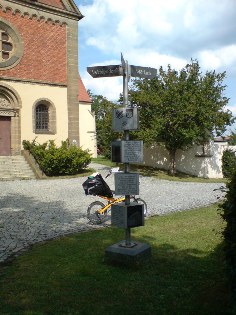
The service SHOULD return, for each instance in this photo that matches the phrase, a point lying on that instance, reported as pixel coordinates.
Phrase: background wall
(191, 161)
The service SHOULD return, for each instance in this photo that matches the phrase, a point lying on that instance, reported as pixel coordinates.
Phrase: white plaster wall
(29, 94)
(156, 156)
(87, 129)
(214, 167)
(190, 161)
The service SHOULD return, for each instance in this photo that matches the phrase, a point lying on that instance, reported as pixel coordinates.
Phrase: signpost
(124, 120)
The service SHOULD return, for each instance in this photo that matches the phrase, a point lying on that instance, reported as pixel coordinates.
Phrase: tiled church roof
(67, 5)
(83, 94)
(54, 3)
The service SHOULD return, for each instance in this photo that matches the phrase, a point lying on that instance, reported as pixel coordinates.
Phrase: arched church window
(42, 118)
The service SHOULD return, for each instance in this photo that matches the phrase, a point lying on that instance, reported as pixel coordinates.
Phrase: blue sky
(154, 33)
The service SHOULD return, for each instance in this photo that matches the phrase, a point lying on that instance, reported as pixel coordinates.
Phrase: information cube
(125, 118)
(127, 216)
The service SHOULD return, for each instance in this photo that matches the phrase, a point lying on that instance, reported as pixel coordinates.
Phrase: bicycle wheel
(140, 200)
(93, 215)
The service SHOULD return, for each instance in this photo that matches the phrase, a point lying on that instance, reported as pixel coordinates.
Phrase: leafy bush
(65, 160)
(228, 163)
(229, 215)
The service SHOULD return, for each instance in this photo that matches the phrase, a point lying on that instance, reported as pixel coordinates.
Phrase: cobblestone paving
(34, 211)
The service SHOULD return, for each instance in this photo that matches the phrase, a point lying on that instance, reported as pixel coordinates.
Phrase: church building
(41, 93)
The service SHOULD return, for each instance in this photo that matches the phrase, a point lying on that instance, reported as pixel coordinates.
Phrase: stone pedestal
(134, 254)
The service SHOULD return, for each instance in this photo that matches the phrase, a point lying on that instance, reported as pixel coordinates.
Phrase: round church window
(6, 46)
(11, 46)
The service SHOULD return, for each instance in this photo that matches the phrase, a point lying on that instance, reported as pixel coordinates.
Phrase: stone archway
(10, 133)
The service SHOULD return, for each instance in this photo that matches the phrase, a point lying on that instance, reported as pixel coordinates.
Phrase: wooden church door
(5, 135)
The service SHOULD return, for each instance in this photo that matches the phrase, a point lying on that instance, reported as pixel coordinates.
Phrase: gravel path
(33, 211)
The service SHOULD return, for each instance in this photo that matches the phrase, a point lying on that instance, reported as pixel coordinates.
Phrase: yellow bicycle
(97, 211)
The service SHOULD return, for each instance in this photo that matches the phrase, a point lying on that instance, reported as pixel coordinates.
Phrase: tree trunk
(172, 169)
(203, 149)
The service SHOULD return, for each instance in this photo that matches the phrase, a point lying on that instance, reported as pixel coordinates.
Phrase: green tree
(103, 116)
(181, 108)
(233, 138)
(228, 163)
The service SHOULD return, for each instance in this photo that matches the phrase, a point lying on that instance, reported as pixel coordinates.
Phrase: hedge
(228, 163)
(68, 159)
(229, 233)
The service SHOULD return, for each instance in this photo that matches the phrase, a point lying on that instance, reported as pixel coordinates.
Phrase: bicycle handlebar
(112, 171)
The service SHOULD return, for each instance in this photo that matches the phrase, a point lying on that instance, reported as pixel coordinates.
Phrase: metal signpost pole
(125, 119)
(126, 137)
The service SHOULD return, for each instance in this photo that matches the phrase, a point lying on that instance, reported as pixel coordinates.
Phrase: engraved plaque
(127, 151)
(118, 215)
(132, 151)
(126, 183)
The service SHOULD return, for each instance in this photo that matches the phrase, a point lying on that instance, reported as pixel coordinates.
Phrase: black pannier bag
(96, 186)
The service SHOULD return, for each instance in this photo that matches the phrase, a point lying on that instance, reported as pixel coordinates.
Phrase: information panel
(126, 183)
(127, 151)
(132, 151)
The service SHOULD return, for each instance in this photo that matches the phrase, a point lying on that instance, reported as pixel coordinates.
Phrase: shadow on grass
(69, 276)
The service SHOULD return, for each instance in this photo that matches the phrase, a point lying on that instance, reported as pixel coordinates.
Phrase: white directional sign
(105, 71)
(143, 72)
(125, 119)
(126, 183)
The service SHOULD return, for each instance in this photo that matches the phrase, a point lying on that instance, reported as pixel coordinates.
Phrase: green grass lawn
(186, 274)
(104, 161)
